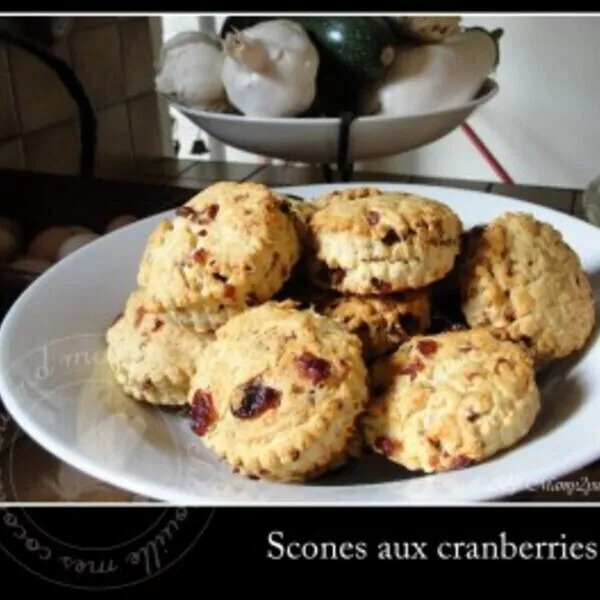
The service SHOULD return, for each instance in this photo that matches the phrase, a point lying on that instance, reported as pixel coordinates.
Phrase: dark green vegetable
(353, 52)
(363, 47)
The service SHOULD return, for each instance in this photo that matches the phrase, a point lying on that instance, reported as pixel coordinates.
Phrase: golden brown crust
(346, 194)
(521, 279)
(229, 247)
(382, 244)
(151, 358)
(382, 322)
(283, 389)
(450, 400)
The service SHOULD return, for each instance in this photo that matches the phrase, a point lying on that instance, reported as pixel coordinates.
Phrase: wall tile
(54, 150)
(9, 126)
(144, 115)
(98, 64)
(41, 97)
(114, 153)
(138, 59)
(11, 155)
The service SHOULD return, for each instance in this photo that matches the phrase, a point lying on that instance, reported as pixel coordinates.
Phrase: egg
(34, 266)
(47, 243)
(8, 244)
(75, 243)
(119, 222)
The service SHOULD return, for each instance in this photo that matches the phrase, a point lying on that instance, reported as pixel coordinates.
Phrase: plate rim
(489, 89)
(146, 488)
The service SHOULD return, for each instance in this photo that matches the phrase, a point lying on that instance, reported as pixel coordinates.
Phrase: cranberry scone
(451, 400)
(382, 244)
(230, 247)
(521, 279)
(150, 357)
(279, 393)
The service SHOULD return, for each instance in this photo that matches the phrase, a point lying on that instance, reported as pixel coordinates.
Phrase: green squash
(353, 52)
(361, 48)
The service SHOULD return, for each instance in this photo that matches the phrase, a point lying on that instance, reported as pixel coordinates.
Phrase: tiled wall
(114, 60)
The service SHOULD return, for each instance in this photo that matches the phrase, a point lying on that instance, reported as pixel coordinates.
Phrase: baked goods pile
(299, 334)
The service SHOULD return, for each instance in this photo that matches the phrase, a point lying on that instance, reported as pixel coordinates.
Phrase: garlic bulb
(270, 69)
(190, 71)
(434, 77)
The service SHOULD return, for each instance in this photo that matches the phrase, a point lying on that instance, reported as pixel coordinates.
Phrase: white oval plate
(55, 383)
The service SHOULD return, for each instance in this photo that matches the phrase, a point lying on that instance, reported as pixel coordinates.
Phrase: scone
(151, 358)
(521, 279)
(382, 244)
(382, 322)
(451, 400)
(279, 393)
(230, 247)
(346, 194)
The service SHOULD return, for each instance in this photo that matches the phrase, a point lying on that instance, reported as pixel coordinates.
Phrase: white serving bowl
(315, 140)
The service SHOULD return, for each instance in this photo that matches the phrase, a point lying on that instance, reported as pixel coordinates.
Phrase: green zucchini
(362, 47)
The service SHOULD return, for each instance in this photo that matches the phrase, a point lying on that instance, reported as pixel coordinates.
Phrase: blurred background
(543, 126)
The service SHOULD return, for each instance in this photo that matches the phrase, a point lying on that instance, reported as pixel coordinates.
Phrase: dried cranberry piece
(203, 217)
(185, 211)
(158, 323)
(386, 445)
(460, 461)
(336, 276)
(427, 347)
(383, 287)
(256, 399)
(207, 214)
(472, 415)
(313, 368)
(252, 300)
(435, 443)
(202, 412)
(200, 256)
(391, 237)
(412, 368)
(220, 277)
(373, 217)
(229, 292)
